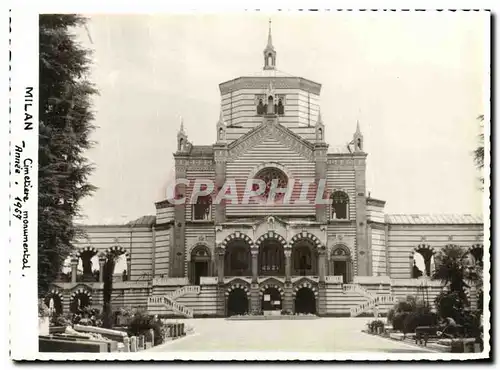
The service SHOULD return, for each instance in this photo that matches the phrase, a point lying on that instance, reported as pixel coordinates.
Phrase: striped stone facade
(344, 257)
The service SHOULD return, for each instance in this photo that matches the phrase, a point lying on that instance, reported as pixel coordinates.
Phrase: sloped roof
(146, 220)
(449, 219)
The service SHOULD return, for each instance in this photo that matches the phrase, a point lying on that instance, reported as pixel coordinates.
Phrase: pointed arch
(268, 236)
(305, 284)
(234, 286)
(427, 252)
(271, 286)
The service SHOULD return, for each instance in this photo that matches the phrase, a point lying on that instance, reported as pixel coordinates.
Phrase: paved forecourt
(321, 335)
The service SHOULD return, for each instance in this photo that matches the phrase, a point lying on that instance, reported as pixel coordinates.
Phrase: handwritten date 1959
(17, 207)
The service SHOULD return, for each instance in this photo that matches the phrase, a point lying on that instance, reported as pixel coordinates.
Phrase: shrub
(43, 310)
(390, 315)
(449, 304)
(376, 324)
(61, 320)
(416, 319)
(398, 320)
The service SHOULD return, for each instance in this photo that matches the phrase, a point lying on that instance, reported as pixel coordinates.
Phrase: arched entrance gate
(237, 301)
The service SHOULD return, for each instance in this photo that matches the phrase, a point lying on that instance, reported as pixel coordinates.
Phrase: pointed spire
(221, 117)
(270, 38)
(358, 130)
(269, 52)
(182, 125)
(320, 120)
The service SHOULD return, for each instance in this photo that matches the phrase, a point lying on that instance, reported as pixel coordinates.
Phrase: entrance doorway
(237, 302)
(200, 269)
(199, 265)
(271, 300)
(340, 268)
(341, 263)
(305, 301)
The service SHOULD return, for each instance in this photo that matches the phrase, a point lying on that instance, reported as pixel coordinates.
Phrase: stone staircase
(372, 300)
(170, 300)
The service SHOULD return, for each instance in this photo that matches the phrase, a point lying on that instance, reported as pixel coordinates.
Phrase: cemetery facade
(343, 256)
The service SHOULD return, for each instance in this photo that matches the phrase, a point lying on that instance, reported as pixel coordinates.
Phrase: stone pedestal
(288, 297)
(321, 303)
(126, 344)
(255, 304)
(133, 344)
(221, 301)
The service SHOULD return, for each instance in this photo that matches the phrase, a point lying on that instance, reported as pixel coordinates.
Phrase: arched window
(270, 105)
(320, 134)
(202, 208)
(268, 175)
(269, 59)
(221, 134)
(340, 205)
(359, 144)
(281, 108)
(260, 107)
(423, 262)
(181, 144)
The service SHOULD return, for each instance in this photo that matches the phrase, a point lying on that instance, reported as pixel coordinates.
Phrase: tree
(479, 152)
(452, 270)
(109, 268)
(65, 120)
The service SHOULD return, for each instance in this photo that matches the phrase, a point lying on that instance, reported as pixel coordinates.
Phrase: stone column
(129, 268)
(322, 263)
(220, 264)
(74, 267)
(102, 261)
(255, 264)
(288, 291)
(288, 264)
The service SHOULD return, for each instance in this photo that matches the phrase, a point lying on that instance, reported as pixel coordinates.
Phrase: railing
(337, 279)
(357, 289)
(170, 300)
(188, 289)
(371, 303)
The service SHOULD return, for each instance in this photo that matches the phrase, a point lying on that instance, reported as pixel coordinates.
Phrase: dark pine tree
(109, 268)
(479, 151)
(65, 128)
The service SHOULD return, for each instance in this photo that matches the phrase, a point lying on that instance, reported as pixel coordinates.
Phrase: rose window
(268, 175)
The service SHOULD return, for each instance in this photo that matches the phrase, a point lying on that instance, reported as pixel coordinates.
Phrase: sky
(415, 81)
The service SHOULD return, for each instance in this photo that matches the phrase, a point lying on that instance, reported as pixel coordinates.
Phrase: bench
(424, 333)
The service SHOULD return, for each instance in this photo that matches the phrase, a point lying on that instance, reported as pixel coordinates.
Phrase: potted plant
(43, 318)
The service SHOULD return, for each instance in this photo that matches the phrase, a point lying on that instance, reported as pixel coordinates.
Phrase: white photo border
(23, 283)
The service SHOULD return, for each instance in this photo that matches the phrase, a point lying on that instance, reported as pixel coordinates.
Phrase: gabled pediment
(271, 129)
(271, 281)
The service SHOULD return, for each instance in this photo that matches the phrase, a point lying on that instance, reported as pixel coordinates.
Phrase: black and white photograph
(251, 186)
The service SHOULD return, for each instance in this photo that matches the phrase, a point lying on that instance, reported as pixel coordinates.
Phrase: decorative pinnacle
(221, 117)
(358, 130)
(320, 120)
(182, 125)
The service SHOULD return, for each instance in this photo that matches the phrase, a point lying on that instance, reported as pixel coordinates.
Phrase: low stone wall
(50, 344)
